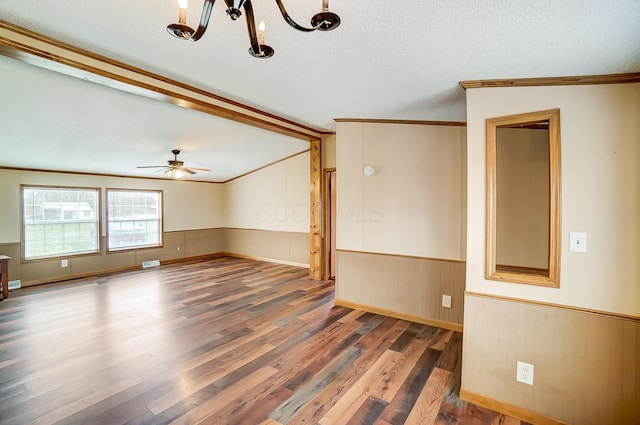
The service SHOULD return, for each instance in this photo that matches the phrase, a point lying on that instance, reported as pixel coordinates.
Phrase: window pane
(134, 219)
(60, 221)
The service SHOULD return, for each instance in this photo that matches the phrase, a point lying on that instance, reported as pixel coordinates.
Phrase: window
(60, 221)
(134, 219)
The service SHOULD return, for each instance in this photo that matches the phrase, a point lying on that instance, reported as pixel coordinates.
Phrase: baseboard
(424, 320)
(268, 260)
(194, 258)
(509, 409)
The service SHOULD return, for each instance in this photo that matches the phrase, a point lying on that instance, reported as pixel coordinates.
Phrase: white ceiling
(387, 60)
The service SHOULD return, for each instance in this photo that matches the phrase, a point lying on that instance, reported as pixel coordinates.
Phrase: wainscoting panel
(409, 286)
(289, 247)
(204, 242)
(586, 365)
(36, 272)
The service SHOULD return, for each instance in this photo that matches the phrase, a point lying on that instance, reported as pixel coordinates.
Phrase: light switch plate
(577, 242)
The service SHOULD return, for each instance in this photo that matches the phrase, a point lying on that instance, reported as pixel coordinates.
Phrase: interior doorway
(329, 213)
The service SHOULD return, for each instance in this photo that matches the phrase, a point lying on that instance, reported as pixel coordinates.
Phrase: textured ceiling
(388, 60)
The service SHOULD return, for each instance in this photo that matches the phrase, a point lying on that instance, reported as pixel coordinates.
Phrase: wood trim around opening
(491, 273)
(384, 254)
(36, 49)
(554, 81)
(390, 121)
(315, 213)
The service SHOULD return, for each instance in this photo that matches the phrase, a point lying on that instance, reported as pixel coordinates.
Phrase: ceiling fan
(175, 168)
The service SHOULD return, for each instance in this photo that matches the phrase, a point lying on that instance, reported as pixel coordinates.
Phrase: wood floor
(224, 341)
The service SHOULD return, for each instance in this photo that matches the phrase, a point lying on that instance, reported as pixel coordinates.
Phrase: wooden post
(315, 238)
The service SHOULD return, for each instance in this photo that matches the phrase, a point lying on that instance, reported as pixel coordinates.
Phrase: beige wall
(587, 368)
(600, 192)
(413, 203)
(411, 211)
(328, 151)
(274, 198)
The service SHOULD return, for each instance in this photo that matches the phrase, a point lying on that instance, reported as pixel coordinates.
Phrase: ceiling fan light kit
(321, 21)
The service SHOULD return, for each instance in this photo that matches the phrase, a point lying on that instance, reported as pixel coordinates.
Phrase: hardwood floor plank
(216, 372)
(125, 406)
(200, 414)
(373, 344)
(368, 412)
(219, 350)
(220, 341)
(351, 401)
(428, 403)
(389, 382)
(401, 405)
(307, 392)
(449, 414)
(257, 412)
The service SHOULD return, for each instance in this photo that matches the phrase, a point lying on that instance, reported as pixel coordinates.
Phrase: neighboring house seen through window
(60, 221)
(134, 219)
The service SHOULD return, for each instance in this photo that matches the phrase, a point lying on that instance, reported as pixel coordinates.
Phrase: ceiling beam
(44, 52)
(554, 81)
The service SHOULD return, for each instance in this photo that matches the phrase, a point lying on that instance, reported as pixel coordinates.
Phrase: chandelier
(321, 21)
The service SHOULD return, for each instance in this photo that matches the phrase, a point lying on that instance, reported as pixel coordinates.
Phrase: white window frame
(136, 237)
(62, 214)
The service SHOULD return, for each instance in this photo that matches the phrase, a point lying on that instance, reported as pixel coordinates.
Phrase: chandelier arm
(290, 21)
(204, 20)
(251, 28)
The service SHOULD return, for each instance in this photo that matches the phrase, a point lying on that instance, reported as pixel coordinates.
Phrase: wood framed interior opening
(541, 168)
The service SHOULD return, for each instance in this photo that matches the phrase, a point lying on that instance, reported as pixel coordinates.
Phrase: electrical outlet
(64, 263)
(524, 373)
(446, 301)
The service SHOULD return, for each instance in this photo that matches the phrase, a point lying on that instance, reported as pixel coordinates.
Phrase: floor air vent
(151, 263)
(14, 284)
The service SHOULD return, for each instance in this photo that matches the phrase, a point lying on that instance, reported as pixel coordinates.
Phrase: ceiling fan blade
(175, 166)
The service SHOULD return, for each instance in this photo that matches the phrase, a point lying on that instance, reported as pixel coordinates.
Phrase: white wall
(275, 198)
(600, 192)
(414, 203)
(187, 205)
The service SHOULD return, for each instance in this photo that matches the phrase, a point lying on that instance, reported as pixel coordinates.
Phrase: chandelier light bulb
(178, 173)
(261, 27)
(182, 17)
